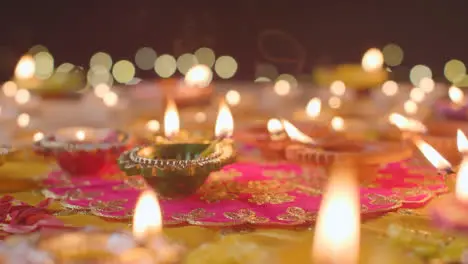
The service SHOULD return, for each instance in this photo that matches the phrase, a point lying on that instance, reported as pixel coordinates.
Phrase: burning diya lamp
(147, 244)
(177, 167)
(194, 89)
(84, 150)
(313, 112)
(454, 108)
(369, 156)
(451, 211)
(360, 77)
(441, 134)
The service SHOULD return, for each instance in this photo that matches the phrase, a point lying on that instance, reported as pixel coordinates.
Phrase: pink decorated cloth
(247, 193)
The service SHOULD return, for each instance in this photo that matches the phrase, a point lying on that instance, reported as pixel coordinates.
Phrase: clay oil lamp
(83, 151)
(444, 168)
(194, 89)
(369, 156)
(146, 244)
(455, 108)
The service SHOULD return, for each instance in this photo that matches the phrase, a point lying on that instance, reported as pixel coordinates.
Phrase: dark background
(430, 32)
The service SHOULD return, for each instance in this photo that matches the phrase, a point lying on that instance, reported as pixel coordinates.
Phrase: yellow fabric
(231, 246)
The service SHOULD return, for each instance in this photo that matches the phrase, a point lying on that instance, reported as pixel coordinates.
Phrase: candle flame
(147, 219)
(199, 76)
(295, 134)
(171, 119)
(337, 232)
(372, 60)
(314, 107)
(337, 123)
(461, 187)
(274, 126)
(434, 157)
(224, 122)
(407, 124)
(80, 135)
(462, 142)
(456, 95)
(25, 68)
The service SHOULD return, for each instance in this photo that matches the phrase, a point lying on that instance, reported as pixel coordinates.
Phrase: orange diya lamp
(194, 89)
(369, 156)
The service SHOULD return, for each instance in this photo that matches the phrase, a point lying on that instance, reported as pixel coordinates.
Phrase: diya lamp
(56, 84)
(369, 156)
(451, 211)
(83, 151)
(146, 244)
(194, 89)
(455, 108)
(337, 229)
(313, 112)
(359, 77)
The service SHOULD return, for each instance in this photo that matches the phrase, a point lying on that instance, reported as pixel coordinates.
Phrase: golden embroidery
(411, 192)
(404, 211)
(109, 206)
(246, 216)
(364, 208)
(225, 175)
(193, 217)
(378, 199)
(80, 195)
(297, 215)
(424, 181)
(271, 198)
(114, 176)
(136, 182)
(310, 181)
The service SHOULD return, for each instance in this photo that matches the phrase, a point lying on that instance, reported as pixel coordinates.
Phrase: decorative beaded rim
(49, 143)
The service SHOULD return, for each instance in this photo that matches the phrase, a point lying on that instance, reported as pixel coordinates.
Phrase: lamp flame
(314, 107)
(335, 240)
(372, 60)
(407, 124)
(295, 134)
(80, 135)
(462, 142)
(25, 68)
(434, 157)
(171, 119)
(461, 187)
(337, 123)
(198, 76)
(147, 219)
(274, 126)
(456, 95)
(224, 122)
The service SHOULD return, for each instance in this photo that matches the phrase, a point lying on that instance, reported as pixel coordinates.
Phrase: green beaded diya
(176, 170)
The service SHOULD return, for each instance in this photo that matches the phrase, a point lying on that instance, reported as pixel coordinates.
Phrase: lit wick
(147, 220)
(296, 135)
(456, 95)
(171, 120)
(80, 135)
(435, 158)
(462, 142)
(224, 127)
(314, 108)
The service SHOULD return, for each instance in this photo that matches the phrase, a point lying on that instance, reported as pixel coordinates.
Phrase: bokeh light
(200, 117)
(165, 66)
(390, 88)
(393, 54)
(372, 60)
(9, 89)
(145, 58)
(153, 125)
(205, 56)
(417, 95)
(37, 48)
(25, 68)
(427, 84)
(38, 136)
(282, 87)
(185, 62)
(418, 72)
(44, 65)
(65, 67)
(22, 96)
(101, 58)
(233, 97)
(101, 89)
(98, 74)
(110, 99)
(289, 78)
(454, 70)
(123, 71)
(410, 107)
(338, 88)
(225, 67)
(334, 102)
(23, 120)
(266, 70)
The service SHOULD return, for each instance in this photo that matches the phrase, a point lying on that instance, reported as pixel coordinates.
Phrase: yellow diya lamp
(49, 83)
(359, 77)
(195, 89)
(146, 244)
(369, 156)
